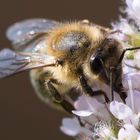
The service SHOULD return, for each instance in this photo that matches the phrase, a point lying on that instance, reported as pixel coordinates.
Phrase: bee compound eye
(95, 64)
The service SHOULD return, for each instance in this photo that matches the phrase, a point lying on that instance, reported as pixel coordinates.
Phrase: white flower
(91, 107)
(106, 133)
(128, 132)
(129, 112)
(135, 120)
(136, 100)
(129, 35)
(103, 131)
(132, 85)
(70, 126)
(124, 27)
(123, 112)
(120, 110)
(97, 121)
(133, 9)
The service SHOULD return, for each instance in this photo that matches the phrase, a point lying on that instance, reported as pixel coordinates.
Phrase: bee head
(106, 57)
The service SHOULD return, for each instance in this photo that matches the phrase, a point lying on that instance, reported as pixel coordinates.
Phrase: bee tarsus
(88, 90)
(67, 106)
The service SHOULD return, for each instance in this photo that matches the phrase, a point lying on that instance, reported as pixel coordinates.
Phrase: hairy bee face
(105, 58)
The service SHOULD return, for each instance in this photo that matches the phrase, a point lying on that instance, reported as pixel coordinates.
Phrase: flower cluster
(133, 10)
(96, 119)
(107, 121)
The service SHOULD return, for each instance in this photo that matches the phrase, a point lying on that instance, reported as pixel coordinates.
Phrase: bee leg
(67, 106)
(122, 93)
(119, 89)
(111, 83)
(58, 98)
(88, 90)
(55, 94)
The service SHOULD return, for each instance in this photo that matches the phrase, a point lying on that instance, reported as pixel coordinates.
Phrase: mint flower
(133, 10)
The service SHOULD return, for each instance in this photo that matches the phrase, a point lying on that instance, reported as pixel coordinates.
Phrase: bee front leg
(88, 90)
(58, 98)
(55, 94)
(116, 85)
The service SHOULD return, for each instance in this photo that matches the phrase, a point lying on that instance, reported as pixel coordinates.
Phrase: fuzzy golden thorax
(73, 43)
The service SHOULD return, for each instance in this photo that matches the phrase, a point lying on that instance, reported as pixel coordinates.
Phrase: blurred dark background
(22, 115)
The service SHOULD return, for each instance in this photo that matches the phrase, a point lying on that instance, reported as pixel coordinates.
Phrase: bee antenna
(124, 51)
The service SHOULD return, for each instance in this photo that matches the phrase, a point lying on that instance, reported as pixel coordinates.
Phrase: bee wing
(13, 62)
(22, 33)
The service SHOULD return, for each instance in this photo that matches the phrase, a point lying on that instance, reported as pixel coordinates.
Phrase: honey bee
(64, 59)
